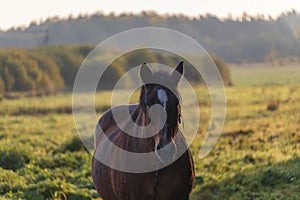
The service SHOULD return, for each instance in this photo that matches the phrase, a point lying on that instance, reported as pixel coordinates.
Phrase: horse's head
(161, 88)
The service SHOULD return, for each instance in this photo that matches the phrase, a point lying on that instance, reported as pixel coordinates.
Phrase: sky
(14, 13)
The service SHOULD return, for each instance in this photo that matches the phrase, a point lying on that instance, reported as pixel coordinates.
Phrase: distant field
(256, 157)
(263, 74)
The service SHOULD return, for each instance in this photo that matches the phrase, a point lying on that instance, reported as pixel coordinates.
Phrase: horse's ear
(177, 73)
(145, 73)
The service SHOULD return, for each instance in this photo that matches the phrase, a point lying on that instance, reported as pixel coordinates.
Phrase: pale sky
(14, 13)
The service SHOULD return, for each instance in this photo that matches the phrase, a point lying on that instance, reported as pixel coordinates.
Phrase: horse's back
(107, 124)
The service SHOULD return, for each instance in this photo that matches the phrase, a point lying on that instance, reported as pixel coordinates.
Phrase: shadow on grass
(273, 181)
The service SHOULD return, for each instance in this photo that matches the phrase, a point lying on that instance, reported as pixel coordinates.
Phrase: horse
(173, 181)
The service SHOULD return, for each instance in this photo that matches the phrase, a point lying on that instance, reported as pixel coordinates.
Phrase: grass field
(256, 157)
(262, 74)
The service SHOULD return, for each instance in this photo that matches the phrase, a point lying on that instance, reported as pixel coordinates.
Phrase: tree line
(244, 39)
(46, 70)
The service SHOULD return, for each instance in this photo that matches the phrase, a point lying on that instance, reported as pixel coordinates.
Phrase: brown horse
(172, 181)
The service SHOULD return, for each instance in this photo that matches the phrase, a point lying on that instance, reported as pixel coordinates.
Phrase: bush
(224, 70)
(24, 70)
(49, 69)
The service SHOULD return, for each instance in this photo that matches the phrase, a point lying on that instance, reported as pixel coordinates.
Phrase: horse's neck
(140, 116)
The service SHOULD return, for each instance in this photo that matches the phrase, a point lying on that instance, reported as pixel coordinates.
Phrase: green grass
(262, 74)
(257, 155)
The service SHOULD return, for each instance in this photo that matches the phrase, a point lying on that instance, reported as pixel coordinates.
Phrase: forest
(235, 40)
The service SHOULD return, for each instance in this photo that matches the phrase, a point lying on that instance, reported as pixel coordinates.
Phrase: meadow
(257, 155)
(266, 74)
